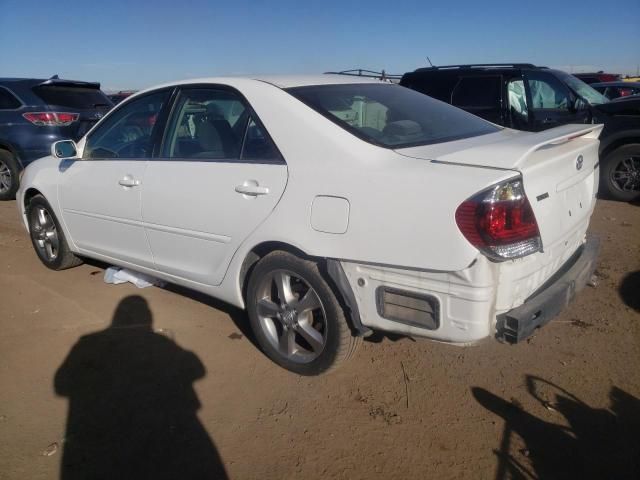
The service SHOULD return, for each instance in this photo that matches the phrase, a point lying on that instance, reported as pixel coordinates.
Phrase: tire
(305, 334)
(47, 237)
(8, 176)
(620, 177)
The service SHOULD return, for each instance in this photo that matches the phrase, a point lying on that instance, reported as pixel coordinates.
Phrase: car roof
(280, 81)
(617, 84)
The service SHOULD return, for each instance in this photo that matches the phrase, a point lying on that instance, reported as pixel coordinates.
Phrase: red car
(598, 77)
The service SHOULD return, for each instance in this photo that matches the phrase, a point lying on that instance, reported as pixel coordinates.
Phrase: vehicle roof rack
(359, 72)
(478, 65)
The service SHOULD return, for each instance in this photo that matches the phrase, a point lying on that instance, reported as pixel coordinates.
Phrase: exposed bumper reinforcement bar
(517, 324)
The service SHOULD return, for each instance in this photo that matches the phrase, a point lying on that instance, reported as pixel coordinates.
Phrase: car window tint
(127, 132)
(8, 101)
(206, 124)
(477, 92)
(257, 145)
(390, 115)
(72, 97)
(547, 92)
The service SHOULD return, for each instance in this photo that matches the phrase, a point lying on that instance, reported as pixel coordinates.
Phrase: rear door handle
(129, 181)
(251, 188)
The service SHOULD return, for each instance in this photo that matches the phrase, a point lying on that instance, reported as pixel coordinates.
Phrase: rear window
(72, 97)
(390, 115)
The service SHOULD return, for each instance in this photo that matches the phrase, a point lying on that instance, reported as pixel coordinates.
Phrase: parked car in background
(327, 206)
(613, 90)
(117, 97)
(526, 97)
(34, 113)
(598, 77)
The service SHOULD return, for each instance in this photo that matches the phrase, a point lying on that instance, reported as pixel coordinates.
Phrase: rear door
(217, 177)
(480, 95)
(100, 194)
(550, 102)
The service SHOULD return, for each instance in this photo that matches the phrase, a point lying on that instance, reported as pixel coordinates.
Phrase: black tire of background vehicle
(9, 160)
(65, 258)
(609, 165)
(340, 344)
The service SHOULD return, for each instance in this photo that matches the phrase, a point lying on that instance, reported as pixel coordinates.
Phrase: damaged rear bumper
(517, 324)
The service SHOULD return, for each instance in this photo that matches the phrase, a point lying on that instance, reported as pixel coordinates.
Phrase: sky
(136, 44)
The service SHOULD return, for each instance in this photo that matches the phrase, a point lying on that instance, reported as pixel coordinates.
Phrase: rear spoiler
(555, 136)
(58, 82)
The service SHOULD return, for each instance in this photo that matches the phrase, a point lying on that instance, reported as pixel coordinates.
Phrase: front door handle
(129, 181)
(251, 188)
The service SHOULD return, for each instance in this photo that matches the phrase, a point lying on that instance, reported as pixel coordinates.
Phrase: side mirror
(579, 105)
(64, 149)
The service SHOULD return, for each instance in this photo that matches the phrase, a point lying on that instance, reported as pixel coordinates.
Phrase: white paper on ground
(118, 275)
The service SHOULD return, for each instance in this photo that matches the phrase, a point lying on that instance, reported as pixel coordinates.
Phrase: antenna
(429, 60)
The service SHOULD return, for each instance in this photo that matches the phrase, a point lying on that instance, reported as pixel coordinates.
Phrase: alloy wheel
(292, 316)
(626, 175)
(5, 177)
(44, 233)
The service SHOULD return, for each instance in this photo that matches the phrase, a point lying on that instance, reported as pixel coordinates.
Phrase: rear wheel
(47, 237)
(296, 317)
(620, 179)
(8, 175)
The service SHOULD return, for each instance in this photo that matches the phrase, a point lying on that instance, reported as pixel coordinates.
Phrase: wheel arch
(28, 195)
(617, 141)
(9, 148)
(330, 269)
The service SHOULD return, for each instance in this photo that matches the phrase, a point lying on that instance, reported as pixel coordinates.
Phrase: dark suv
(526, 97)
(35, 113)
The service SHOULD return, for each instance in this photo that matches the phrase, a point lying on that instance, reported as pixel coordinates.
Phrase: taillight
(500, 222)
(51, 119)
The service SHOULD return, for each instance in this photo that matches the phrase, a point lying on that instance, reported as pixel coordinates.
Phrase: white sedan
(329, 207)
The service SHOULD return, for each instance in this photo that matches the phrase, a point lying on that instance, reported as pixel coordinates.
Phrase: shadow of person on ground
(629, 290)
(596, 444)
(132, 406)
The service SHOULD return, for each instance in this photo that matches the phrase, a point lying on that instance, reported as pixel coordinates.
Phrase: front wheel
(296, 317)
(47, 237)
(620, 178)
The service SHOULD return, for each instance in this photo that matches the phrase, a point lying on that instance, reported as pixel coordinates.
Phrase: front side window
(391, 116)
(547, 92)
(128, 131)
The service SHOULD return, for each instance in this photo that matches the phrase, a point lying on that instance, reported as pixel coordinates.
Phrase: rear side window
(72, 97)
(215, 124)
(477, 92)
(8, 101)
(390, 115)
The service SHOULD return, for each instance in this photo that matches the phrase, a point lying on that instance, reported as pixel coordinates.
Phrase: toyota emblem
(579, 162)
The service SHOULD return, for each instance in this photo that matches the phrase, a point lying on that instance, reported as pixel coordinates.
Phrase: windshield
(587, 92)
(390, 115)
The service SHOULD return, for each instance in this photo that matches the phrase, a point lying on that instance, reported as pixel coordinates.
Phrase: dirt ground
(171, 386)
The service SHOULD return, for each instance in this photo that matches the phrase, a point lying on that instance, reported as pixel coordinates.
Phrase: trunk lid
(558, 168)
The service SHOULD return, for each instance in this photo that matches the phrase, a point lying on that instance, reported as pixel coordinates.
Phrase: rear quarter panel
(401, 209)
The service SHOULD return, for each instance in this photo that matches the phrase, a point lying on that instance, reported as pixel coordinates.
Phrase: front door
(218, 177)
(551, 102)
(100, 194)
